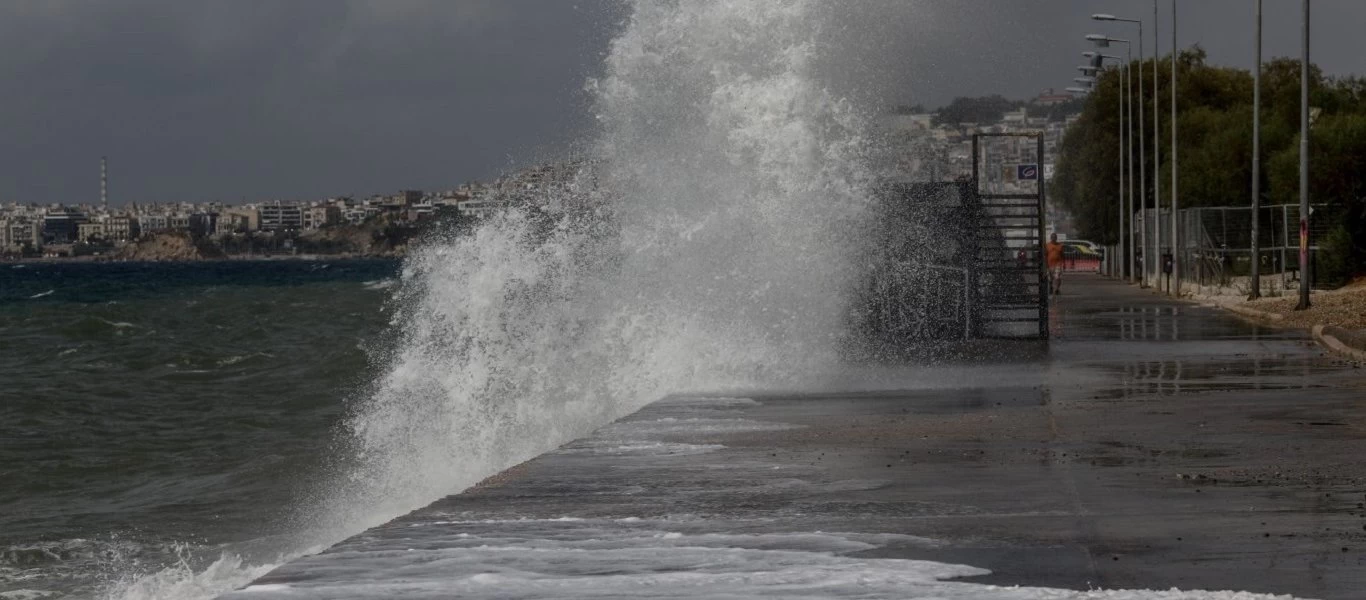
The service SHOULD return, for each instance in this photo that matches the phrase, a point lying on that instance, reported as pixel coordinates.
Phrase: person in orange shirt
(1053, 251)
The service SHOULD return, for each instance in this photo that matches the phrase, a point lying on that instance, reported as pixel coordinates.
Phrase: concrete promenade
(1153, 444)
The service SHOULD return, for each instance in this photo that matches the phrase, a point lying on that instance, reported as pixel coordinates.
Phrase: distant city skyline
(247, 102)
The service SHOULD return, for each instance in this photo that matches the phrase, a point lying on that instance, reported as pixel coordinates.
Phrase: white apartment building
(281, 217)
(480, 207)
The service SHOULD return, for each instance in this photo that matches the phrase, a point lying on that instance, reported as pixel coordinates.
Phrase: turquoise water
(153, 413)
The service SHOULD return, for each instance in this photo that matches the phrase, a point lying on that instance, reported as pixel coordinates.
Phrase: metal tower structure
(104, 183)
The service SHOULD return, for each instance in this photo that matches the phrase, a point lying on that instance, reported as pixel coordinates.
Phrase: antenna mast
(104, 183)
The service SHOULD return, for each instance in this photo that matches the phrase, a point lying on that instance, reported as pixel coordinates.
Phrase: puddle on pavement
(1171, 377)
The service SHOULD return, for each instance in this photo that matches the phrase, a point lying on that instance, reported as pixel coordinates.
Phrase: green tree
(1215, 148)
(986, 109)
(1337, 178)
(1215, 170)
(1087, 179)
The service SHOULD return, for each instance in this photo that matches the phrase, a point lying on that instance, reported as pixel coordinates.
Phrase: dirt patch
(1344, 307)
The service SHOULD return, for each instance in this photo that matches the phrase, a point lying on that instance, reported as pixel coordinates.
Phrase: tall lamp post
(1304, 161)
(1157, 163)
(1102, 41)
(1099, 59)
(1142, 151)
(1176, 230)
(1088, 81)
(1256, 263)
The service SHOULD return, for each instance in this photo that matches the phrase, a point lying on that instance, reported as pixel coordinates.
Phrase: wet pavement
(1152, 445)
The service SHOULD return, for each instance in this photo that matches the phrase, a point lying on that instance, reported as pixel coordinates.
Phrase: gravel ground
(1344, 307)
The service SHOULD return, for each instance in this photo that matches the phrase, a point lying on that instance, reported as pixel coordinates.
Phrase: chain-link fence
(1216, 245)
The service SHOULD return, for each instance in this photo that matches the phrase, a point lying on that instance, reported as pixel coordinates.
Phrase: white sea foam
(27, 595)
(42, 294)
(624, 558)
(638, 429)
(237, 358)
(183, 581)
(641, 448)
(704, 404)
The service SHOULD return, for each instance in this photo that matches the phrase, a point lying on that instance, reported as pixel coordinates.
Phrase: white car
(1092, 245)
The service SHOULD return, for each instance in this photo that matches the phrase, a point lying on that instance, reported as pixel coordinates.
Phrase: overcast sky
(245, 100)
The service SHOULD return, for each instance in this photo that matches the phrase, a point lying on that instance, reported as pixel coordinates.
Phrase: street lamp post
(1304, 162)
(1176, 230)
(1142, 165)
(1256, 265)
(1157, 161)
(1088, 81)
(1119, 243)
(1128, 272)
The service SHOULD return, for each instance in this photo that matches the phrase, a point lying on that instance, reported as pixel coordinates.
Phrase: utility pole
(1304, 162)
(1257, 159)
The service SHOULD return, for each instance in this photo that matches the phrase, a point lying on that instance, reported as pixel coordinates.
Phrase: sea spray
(713, 248)
(711, 241)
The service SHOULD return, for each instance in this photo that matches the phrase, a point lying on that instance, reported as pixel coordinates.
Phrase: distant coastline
(11, 260)
(376, 238)
(379, 226)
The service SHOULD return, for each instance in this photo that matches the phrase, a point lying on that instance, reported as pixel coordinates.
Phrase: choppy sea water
(157, 413)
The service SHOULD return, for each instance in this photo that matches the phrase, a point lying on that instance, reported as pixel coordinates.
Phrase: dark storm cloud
(254, 99)
(929, 51)
(250, 100)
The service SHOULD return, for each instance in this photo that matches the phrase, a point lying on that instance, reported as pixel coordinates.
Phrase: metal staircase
(1011, 276)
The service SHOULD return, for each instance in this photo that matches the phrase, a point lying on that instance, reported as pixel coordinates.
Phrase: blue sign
(1027, 172)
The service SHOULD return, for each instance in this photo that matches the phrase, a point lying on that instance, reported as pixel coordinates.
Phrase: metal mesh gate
(1011, 277)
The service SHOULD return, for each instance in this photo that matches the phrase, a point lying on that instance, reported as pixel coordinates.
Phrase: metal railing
(920, 301)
